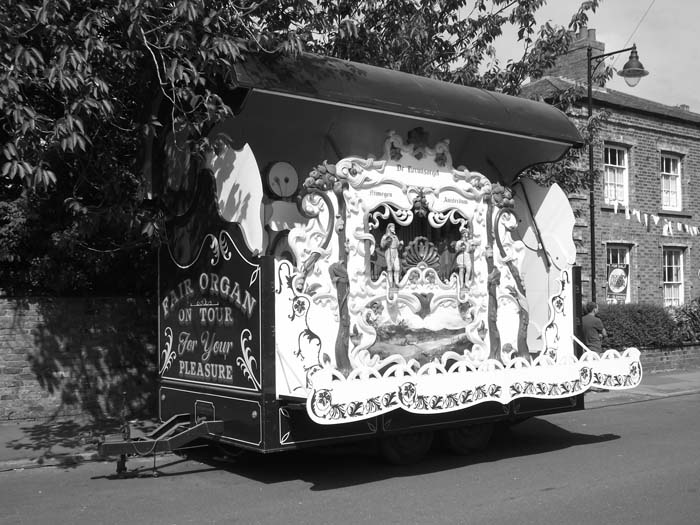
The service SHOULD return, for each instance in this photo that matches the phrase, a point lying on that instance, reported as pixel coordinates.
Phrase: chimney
(574, 65)
(683, 107)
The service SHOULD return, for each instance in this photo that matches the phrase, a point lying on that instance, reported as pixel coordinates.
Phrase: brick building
(647, 197)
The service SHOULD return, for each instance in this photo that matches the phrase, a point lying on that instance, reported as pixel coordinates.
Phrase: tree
(450, 40)
(82, 86)
(88, 89)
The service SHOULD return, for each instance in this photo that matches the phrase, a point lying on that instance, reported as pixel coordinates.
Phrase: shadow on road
(347, 465)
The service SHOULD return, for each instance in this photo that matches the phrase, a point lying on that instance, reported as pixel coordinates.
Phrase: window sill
(670, 213)
(607, 207)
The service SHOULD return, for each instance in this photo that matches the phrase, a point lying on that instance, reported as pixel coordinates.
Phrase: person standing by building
(593, 329)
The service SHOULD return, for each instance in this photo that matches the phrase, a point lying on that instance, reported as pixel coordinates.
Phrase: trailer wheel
(468, 439)
(404, 449)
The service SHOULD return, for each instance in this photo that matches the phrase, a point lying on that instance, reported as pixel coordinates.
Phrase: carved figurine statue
(465, 256)
(447, 256)
(391, 245)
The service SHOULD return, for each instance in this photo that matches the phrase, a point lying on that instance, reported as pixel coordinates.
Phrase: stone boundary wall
(75, 357)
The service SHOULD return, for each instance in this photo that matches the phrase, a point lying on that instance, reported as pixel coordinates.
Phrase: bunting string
(669, 227)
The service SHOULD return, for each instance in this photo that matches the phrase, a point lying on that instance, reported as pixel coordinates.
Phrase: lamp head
(633, 70)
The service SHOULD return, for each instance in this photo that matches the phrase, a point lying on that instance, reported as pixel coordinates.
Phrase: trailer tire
(404, 449)
(468, 439)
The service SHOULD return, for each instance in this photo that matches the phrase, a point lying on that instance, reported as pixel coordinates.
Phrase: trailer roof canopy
(359, 85)
(311, 108)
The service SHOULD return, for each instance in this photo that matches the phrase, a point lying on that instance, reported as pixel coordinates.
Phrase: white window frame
(612, 256)
(671, 195)
(672, 275)
(616, 175)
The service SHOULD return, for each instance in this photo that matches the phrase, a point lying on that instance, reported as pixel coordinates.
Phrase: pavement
(70, 442)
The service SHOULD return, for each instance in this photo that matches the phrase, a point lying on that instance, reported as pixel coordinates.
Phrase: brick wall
(75, 357)
(646, 130)
(677, 358)
(574, 65)
(645, 137)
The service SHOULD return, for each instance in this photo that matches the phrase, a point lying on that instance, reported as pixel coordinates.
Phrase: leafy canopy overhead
(87, 85)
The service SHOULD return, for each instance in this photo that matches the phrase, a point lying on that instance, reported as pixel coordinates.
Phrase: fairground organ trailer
(358, 257)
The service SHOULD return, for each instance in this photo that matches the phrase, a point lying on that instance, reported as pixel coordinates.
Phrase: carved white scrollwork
(246, 362)
(168, 354)
(401, 217)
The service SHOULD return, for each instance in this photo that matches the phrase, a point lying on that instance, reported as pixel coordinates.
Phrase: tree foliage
(87, 86)
(450, 40)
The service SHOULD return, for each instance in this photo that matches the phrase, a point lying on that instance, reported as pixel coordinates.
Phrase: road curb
(636, 398)
(67, 461)
(62, 460)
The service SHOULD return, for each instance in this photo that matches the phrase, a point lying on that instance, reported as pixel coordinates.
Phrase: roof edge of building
(610, 97)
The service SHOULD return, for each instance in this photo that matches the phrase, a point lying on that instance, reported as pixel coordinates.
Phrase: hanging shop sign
(618, 282)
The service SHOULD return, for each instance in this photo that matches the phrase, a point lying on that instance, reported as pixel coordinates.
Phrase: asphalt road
(637, 463)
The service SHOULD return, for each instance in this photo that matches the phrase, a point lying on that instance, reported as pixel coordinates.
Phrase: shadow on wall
(88, 352)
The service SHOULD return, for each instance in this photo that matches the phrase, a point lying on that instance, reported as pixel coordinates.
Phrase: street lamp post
(632, 72)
